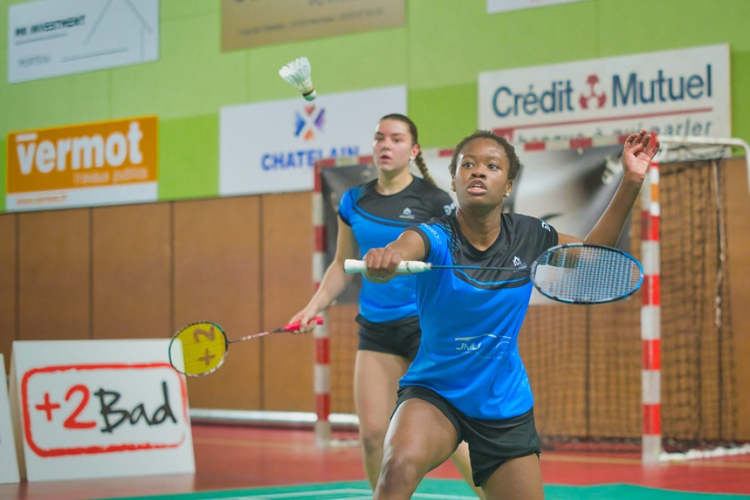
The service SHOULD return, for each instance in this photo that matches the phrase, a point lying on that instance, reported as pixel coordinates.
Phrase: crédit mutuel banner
(94, 164)
(272, 147)
(678, 92)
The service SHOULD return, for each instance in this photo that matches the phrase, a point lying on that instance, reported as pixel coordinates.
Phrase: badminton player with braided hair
(468, 382)
(372, 215)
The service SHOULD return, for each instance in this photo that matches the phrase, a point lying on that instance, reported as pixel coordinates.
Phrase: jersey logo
(475, 343)
(406, 214)
(518, 262)
(448, 209)
(468, 344)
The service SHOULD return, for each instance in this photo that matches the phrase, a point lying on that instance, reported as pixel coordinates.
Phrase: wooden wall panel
(287, 286)
(54, 275)
(217, 278)
(8, 275)
(738, 238)
(132, 272)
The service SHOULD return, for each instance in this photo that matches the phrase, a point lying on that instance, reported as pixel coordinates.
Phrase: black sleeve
(549, 237)
(425, 239)
(538, 235)
(442, 204)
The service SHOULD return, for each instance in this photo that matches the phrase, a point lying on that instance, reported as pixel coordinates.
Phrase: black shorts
(400, 337)
(491, 442)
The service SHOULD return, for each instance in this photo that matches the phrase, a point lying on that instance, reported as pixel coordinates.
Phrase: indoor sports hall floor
(239, 458)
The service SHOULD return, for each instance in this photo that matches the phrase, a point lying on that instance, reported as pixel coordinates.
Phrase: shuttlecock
(297, 73)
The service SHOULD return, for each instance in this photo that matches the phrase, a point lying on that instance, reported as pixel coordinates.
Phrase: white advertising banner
(506, 5)
(9, 469)
(680, 92)
(100, 408)
(59, 37)
(271, 147)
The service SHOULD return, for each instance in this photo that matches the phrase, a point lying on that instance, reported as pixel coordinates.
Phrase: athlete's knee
(372, 440)
(401, 471)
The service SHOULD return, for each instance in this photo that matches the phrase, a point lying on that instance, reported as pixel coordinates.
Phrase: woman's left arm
(637, 155)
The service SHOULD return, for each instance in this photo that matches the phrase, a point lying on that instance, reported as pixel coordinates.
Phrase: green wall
(438, 54)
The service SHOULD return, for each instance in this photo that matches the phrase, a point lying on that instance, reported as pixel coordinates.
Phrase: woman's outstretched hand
(381, 264)
(638, 153)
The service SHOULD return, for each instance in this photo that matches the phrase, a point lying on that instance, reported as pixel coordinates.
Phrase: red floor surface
(244, 457)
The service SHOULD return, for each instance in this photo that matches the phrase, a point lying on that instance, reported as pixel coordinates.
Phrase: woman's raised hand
(638, 153)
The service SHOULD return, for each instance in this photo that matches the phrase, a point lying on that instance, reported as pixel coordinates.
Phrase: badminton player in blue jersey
(468, 382)
(372, 215)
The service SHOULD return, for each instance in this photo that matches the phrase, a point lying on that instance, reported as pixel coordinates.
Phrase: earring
(507, 194)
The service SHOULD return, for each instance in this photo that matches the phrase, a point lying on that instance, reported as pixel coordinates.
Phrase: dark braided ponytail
(423, 168)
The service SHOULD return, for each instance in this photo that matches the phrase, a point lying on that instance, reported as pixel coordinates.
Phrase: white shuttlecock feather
(297, 73)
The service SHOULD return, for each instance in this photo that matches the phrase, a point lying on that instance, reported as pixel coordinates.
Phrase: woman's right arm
(334, 280)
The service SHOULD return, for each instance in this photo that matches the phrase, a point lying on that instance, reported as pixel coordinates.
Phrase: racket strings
(198, 349)
(587, 274)
(202, 356)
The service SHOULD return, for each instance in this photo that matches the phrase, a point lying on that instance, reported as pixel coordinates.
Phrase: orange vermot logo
(93, 155)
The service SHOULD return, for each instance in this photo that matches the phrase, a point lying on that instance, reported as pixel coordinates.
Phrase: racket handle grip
(352, 266)
(295, 326)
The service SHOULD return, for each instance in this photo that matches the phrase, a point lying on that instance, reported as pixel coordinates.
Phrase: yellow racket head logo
(198, 349)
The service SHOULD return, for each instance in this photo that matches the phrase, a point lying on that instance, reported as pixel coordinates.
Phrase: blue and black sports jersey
(377, 220)
(470, 318)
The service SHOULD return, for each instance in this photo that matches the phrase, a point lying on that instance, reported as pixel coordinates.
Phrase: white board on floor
(9, 469)
(100, 408)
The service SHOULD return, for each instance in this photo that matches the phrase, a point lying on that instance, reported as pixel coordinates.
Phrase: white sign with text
(494, 6)
(9, 470)
(100, 408)
(271, 147)
(682, 92)
(50, 38)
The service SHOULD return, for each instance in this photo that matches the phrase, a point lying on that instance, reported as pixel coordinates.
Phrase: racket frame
(554, 249)
(290, 327)
(223, 358)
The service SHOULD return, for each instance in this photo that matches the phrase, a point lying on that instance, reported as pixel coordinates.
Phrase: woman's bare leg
(376, 377)
(419, 439)
(516, 479)
(461, 460)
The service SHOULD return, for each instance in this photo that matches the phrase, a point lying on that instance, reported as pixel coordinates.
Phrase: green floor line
(439, 489)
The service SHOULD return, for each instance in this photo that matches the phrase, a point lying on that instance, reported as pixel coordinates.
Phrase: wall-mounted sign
(682, 92)
(94, 164)
(50, 38)
(264, 22)
(506, 5)
(271, 147)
